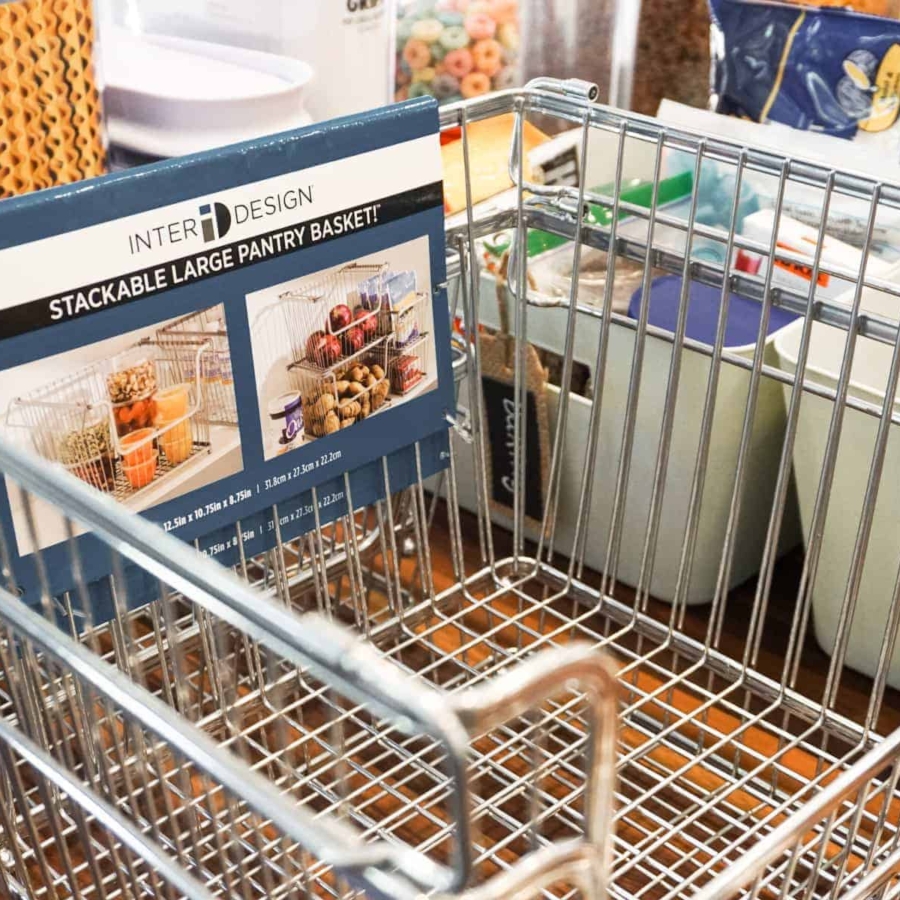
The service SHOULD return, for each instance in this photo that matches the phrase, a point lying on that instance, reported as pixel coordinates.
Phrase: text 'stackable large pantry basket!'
(412, 701)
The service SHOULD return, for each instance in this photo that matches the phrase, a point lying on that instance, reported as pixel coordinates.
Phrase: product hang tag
(498, 385)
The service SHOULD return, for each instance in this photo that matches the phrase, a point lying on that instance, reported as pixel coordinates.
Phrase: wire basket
(352, 349)
(217, 735)
(204, 332)
(122, 425)
(411, 348)
(331, 319)
(349, 392)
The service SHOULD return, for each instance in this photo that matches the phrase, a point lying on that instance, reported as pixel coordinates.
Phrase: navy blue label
(162, 394)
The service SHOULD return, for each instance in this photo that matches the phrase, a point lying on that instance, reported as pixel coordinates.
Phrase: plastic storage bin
(869, 377)
(547, 328)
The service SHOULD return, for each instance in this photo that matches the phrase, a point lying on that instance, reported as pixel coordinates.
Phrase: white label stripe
(100, 252)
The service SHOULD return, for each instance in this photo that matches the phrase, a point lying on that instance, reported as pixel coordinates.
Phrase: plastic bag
(829, 70)
(872, 7)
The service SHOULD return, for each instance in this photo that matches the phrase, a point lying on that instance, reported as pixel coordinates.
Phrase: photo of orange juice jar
(175, 439)
(171, 403)
(177, 442)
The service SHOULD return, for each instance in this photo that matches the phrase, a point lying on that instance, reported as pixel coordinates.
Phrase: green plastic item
(670, 190)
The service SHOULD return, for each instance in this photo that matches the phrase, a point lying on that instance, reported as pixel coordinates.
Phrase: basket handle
(580, 667)
(332, 654)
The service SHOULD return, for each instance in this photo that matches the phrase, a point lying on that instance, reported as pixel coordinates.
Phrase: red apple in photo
(354, 340)
(339, 317)
(368, 322)
(323, 349)
(332, 349)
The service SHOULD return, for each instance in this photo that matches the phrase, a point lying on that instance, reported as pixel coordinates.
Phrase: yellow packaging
(50, 123)
(888, 8)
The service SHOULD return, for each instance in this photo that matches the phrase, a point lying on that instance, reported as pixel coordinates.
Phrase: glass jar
(456, 49)
(131, 386)
(133, 376)
(85, 449)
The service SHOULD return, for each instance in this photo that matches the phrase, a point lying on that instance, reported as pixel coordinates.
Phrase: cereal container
(455, 49)
(131, 385)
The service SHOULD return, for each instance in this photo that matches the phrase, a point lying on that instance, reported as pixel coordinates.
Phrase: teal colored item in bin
(704, 301)
(670, 190)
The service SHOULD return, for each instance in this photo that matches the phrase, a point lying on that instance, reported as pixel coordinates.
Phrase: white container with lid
(868, 383)
(285, 414)
(347, 43)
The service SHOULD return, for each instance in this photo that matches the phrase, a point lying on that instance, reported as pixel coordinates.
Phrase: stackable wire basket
(414, 701)
(125, 424)
(347, 369)
(202, 334)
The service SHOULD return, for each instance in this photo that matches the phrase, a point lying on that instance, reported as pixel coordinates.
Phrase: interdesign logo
(215, 221)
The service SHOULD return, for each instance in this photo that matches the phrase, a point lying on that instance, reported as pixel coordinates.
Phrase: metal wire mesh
(751, 761)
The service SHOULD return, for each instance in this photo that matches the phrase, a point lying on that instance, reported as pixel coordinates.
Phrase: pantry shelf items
(126, 422)
(340, 347)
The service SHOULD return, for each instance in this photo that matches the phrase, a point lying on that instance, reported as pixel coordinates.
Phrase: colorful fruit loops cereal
(450, 49)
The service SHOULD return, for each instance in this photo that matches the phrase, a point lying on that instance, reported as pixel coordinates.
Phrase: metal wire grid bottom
(694, 793)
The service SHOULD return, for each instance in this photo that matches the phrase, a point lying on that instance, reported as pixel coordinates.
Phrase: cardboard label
(207, 340)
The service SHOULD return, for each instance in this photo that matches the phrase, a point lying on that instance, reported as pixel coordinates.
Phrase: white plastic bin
(546, 329)
(868, 382)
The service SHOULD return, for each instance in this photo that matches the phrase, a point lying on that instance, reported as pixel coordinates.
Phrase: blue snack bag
(401, 287)
(830, 70)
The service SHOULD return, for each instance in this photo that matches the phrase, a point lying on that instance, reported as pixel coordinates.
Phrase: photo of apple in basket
(339, 346)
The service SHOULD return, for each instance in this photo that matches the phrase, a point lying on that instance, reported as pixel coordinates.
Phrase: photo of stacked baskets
(124, 423)
(358, 341)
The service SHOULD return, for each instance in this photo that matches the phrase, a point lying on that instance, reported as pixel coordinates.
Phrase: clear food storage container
(85, 449)
(177, 442)
(172, 403)
(131, 386)
(455, 49)
(143, 472)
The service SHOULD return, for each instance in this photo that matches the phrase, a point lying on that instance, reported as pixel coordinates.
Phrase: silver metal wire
(625, 701)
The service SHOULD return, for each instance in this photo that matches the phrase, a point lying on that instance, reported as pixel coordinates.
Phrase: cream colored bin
(547, 326)
(869, 379)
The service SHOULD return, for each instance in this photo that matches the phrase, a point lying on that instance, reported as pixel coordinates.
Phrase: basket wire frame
(72, 421)
(345, 382)
(734, 776)
(179, 343)
(206, 722)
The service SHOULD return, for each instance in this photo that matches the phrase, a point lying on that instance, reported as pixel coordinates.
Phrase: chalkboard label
(499, 403)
